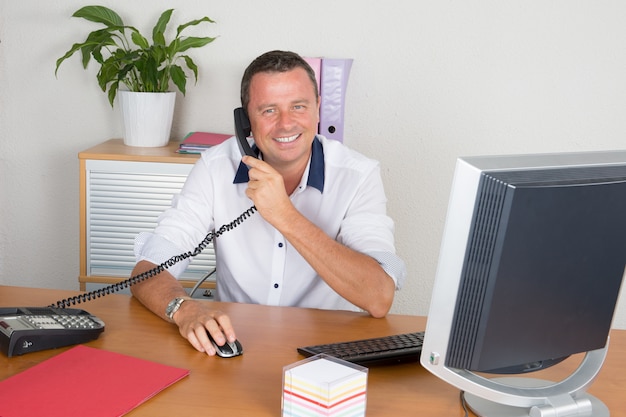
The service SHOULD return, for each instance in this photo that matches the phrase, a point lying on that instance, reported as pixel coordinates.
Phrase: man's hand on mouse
(196, 317)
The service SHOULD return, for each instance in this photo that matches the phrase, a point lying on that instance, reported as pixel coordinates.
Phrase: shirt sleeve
(156, 249)
(393, 265)
(368, 229)
(181, 227)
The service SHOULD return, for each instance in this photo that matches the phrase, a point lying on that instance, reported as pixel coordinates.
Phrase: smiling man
(321, 237)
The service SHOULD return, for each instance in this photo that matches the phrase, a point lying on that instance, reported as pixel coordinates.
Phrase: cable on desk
(464, 404)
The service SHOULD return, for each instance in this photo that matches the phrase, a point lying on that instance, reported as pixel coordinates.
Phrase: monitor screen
(530, 268)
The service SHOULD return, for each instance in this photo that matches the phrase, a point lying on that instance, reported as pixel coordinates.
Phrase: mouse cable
(113, 288)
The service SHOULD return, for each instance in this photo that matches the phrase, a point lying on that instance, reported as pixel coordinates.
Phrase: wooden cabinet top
(114, 149)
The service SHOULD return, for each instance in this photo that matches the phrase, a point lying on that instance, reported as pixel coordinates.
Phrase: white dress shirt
(341, 192)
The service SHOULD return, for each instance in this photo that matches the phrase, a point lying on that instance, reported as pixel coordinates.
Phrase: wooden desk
(251, 385)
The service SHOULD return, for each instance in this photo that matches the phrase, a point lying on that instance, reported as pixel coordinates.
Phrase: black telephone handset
(242, 131)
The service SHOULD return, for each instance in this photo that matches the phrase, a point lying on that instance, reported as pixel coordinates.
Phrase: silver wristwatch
(174, 305)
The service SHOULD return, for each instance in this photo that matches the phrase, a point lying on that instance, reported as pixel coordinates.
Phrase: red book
(84, 381)
(196, 142)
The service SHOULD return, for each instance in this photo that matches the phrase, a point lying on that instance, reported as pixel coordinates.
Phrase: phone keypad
(61, 322)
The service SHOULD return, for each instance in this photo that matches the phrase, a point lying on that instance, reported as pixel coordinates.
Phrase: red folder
(205, 138)
(84, 381)
(196, 142)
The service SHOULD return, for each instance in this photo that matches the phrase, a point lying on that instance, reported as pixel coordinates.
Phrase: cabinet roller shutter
(124, 199)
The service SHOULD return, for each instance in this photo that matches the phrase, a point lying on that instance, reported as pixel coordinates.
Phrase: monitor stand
(524, 397)
(584, 405)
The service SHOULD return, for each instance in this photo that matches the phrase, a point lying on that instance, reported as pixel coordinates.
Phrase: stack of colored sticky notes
(324, 386)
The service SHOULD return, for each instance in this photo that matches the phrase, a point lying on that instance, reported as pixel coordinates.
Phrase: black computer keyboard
(397, 348)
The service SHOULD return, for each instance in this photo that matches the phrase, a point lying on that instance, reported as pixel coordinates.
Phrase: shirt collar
(316, 168)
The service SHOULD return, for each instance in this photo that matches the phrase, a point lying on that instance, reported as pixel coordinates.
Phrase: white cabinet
(123, 190)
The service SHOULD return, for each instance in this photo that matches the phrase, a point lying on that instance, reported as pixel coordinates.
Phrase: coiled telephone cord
(113, 288)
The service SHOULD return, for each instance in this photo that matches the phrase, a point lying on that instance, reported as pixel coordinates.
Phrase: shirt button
(280, 245)
(275, 285)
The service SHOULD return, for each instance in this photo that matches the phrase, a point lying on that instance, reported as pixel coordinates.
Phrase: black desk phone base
(30, 329)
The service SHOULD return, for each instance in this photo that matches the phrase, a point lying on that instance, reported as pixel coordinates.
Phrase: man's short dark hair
(274, 61)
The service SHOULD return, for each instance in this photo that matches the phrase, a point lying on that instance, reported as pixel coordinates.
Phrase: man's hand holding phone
(266, 189)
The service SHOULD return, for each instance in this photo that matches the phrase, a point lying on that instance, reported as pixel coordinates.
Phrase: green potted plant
(141, 67)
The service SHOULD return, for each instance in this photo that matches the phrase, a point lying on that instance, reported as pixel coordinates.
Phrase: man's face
(284, 114)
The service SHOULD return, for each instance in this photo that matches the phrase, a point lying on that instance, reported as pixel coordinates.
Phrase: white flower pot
(147, 117)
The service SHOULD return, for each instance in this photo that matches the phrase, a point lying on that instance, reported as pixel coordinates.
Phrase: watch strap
(174, 305)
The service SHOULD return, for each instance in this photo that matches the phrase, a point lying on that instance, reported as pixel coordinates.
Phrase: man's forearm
(355, 276)
(156, 292)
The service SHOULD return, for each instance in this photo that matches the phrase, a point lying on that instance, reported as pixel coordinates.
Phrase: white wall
(431, 81)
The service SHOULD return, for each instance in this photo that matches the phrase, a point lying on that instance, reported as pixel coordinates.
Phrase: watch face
(173, 306)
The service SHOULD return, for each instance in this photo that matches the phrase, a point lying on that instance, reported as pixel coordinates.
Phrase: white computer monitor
(530, 269)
